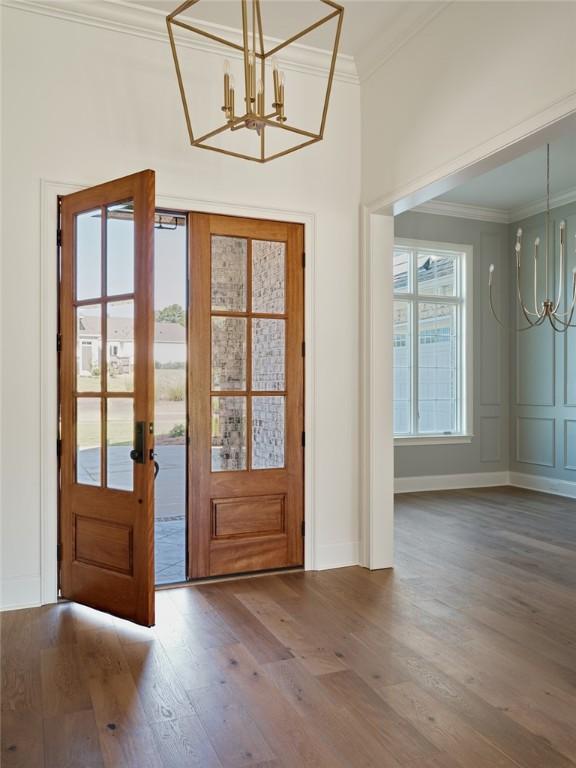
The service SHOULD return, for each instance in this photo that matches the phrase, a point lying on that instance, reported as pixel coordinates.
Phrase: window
(432, 341)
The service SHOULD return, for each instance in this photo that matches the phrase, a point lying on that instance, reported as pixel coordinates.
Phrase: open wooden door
(106, 397)
(246, 395)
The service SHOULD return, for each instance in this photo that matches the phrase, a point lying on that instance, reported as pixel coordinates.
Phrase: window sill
(432, 440)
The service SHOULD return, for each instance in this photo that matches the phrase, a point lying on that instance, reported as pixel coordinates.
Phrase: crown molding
(463, 211)
(498, 215)
(141, 21)
(525, 211)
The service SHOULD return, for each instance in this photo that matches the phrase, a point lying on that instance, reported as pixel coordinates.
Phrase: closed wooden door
(246, 395)
(107, 399)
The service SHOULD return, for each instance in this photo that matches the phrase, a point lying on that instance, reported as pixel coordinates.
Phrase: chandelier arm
(561, 270)
(536, 244)
(525, 311)
(570, 311)
(567, 323)
(557, 328)
(500, 323)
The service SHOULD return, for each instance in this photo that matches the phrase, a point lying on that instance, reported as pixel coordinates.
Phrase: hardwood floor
(463, 657)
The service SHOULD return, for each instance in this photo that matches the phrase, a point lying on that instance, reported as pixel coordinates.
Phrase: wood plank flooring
(463, 657)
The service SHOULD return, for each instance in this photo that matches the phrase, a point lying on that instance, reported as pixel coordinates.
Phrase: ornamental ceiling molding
(143, 21)
(497, 215)
(149, 23)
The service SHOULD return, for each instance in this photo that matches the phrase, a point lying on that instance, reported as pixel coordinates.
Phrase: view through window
(430, 339)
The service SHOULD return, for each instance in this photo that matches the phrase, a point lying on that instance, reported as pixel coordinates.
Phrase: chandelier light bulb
(519, 233)
(226, 67)
(562, 225)
(537, 241)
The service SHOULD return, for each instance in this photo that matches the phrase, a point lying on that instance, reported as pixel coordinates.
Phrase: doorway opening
(170, 395)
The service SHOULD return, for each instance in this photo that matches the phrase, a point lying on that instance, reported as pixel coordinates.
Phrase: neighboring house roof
(122, 329)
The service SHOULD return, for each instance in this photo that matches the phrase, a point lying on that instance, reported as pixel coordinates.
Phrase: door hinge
(59, 552)
(303, 259)
(303, 349)
(58, 447)
(59, 237)
(58, 342)
(303, 528)
(303, 439)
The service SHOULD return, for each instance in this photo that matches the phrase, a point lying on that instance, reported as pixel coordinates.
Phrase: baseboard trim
(338, 555)
(22, 592)
(450, 482)
(544, 484)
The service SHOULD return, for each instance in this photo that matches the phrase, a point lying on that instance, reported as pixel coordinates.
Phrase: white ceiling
(522, 182)
(366, 22)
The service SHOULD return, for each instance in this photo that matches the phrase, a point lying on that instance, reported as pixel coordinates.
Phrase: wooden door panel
(248, 516)
(255, 554)
(106, 393)
(247, 395)
(104, 544)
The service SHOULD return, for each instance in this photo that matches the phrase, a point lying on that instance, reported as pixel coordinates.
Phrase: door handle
(156, 465)
(137, 453)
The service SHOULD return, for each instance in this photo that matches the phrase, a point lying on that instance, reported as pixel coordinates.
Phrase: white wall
(83, 105)
(478, 77)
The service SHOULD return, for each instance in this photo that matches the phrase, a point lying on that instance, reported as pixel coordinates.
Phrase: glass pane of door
(120, 249)
(268, 277)
(120, 345)
(88, 348)
(268, 432)
(119, 443)
(88, 441)
(228, 433)
(89, 255)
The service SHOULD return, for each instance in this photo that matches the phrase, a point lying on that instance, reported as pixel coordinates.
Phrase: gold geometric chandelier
(548, 308)
(252, 105)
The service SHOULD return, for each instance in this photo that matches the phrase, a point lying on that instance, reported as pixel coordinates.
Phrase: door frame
(49, 192)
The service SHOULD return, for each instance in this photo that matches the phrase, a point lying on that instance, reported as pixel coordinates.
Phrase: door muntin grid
(248, 367)
(104, 304)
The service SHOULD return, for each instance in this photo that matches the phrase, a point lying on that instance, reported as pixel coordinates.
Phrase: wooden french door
(107, 397)
(246, 395)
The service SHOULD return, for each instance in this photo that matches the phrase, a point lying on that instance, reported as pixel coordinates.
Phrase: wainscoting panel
(570, 444)
(490, 439)
(535, 441)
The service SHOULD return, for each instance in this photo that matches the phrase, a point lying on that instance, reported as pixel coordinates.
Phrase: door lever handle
(156, 465)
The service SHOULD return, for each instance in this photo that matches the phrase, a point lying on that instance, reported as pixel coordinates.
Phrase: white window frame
(464, 301)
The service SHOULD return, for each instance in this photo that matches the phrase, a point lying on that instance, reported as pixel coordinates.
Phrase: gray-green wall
(543, 373)
(489, 450)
